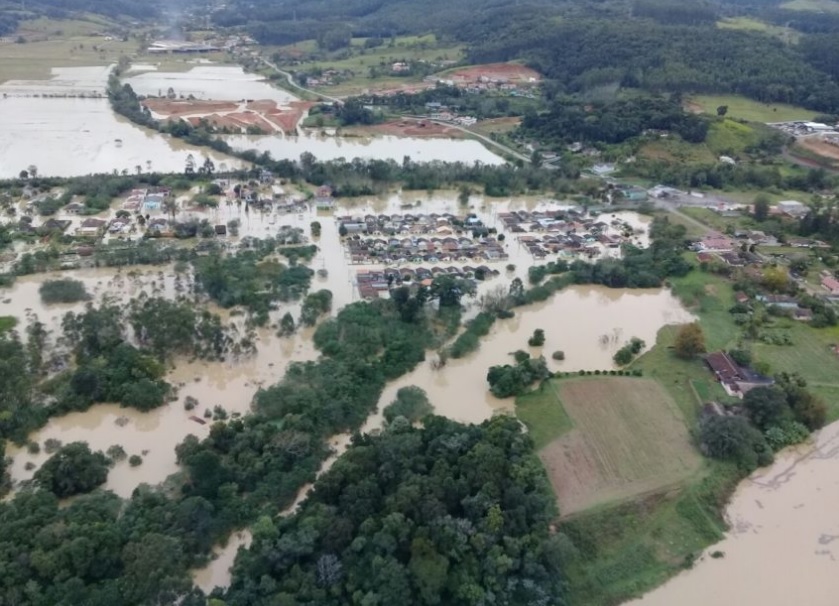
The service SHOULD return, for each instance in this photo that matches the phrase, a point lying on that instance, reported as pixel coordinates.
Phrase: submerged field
(627, 438)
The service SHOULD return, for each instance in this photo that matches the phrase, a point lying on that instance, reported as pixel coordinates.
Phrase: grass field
(359, 60)
(53, 43)
(816, 6)
(628, 439)
(747, 109)
(543, 414)
(788, 35)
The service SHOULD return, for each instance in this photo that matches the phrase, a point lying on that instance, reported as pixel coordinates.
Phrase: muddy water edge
(783, 545)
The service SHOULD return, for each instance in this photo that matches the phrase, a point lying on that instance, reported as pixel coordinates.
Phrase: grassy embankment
(305, 57)
(816, 6)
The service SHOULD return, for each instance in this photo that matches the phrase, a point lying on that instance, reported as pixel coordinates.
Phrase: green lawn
(305, 57)
(52, 43)
(543, 414)
(753, 25)
(754, 111)
(816, 6)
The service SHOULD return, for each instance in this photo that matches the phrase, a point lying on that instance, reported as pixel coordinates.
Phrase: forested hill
(665, 46)
(12, 13)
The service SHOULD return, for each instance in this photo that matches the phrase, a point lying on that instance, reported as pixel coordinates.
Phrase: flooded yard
(782, 547)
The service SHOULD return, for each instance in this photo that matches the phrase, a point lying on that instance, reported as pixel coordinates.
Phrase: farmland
(628, 439)
(43, 44)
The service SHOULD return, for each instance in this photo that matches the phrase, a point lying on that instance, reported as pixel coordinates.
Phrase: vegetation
(511, 380)
(627, 353)
(72, 470)
(484, 534)
(411, 403)
(690, 341)
(64, 290)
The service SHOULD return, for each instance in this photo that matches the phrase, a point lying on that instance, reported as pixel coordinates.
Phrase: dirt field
(628, 439)
(409, 128)
(820, 147)
(510, 72)
(264, 114)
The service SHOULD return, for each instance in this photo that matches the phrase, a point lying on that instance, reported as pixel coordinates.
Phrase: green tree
(72, 470)
(690, 341)
(411, 402)
(761, 207)
(767, 407)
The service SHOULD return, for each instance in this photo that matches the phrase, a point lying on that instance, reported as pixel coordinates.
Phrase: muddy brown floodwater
(783, 546)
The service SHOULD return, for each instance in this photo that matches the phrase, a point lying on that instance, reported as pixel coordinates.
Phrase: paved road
(294, 84)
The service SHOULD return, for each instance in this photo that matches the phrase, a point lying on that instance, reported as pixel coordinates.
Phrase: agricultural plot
(628, 439)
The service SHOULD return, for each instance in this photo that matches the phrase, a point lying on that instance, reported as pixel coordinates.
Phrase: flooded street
(782, 548)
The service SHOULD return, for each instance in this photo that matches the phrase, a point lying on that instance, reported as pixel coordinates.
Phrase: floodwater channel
(783, 546)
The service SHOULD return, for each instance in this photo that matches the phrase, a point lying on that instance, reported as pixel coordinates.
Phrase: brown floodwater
(214, 82)
(782, 548)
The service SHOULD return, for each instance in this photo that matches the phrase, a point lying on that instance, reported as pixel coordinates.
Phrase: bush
(538, 338)
(116, 453)
(135, 460)
(64, 290)
(520, 356)
(558, 355)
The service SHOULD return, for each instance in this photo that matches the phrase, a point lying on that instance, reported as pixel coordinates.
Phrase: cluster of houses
(444, 224)
(565, 230)
(441, 113)
(372, 282)
(419, 249)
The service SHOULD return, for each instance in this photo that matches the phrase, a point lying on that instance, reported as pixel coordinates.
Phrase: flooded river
(783, 546)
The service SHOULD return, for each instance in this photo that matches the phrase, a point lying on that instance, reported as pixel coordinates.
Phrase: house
(792, 208)
(221, 230)
(716, 242)
(831, 284)
(91, 227)
(324, 203)
(782, 301)
(74, 208)
(802, 314)
(735, 379)
(54, 225)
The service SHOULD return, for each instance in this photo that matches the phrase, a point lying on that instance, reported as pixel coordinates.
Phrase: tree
(761, 207)
(732, 438)
(72, 470)
(315, 227)
(287, 325)
(463, 195)
(722, 110)
(690, 341)
(776, 278)
(63, 290)
(33, 171)
(767, 407)
(538, 338)
(411, 402)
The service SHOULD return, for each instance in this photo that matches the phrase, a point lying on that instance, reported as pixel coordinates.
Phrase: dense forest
(447, 514)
